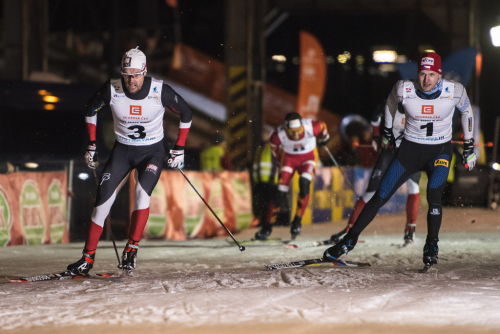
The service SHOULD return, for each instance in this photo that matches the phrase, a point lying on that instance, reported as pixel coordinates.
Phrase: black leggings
(383, 162)
(148, 162)
(412, 157)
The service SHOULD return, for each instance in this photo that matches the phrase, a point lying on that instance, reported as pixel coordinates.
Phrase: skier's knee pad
(304, 185)
(377, 200)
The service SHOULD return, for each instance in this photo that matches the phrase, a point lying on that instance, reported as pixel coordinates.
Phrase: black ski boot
(431, 251)
(344, 246)
(82, 266)
(264, 232)
(409, 234)
(129, 255)
(296, 226)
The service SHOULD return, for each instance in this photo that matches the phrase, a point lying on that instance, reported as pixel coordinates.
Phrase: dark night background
(348, 90)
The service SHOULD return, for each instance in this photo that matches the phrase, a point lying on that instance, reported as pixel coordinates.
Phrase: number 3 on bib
(429, 127)
(138, 133)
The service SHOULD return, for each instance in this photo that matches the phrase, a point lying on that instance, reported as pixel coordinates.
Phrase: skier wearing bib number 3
(137, 104)
(429, 103)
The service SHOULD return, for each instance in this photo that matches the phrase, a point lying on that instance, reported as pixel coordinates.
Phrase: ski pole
(109, 225)
(242, 248)
(488, 144)
(337, 165)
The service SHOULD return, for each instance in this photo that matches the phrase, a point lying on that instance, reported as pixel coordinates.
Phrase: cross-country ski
(316, 262)
(60, 276)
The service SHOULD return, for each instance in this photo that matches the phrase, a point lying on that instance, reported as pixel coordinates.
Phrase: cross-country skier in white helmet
(137, 104)
(293, 145)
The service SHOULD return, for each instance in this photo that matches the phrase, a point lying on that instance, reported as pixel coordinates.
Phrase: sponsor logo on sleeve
(470, 124)
(428, 110)
(173, 109)
(427, 61)
(441, 162)
(152, 168)
(136, 110)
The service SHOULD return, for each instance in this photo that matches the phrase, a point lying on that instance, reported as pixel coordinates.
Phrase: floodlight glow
(495, 35)
(385, 56)
(343, 58)
(42, 92)
(49, 107)
(51, 99)
(279, 58)
(83, 176)
(31, 165)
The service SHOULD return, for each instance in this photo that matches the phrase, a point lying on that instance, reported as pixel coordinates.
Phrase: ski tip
(16, 280)
(290, 246)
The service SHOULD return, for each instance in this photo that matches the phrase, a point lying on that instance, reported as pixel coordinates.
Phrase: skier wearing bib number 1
(429, 103)
(137, 104)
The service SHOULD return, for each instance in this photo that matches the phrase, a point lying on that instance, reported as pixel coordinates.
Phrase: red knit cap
(430, 61)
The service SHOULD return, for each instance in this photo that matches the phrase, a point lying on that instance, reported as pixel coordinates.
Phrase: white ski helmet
(134, 58)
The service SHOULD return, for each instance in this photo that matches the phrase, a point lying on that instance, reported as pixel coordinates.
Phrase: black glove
(469, 157)
(324, 140)
(388, 140)
(91, 155)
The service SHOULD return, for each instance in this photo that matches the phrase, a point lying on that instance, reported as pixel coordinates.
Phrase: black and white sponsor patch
(126, 61)
(435, 212)
(152, 168)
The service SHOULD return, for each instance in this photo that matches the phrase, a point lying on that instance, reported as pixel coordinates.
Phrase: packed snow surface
(180, 286)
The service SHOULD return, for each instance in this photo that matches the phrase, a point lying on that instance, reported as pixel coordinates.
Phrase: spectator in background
(215, 158)
(264, 176)
(6, 167)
